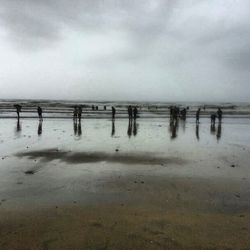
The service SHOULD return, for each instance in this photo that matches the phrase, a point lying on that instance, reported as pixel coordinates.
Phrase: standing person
(113, 112)
(75, 113)
(130, 111)
(18, 110)
(219, 113)
(213, 119)
(40, 113)
(183, 114)
(198, 115)
(135, 111)
(79, 113)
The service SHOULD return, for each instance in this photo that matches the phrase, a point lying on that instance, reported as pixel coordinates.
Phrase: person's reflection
(212, 129)
(135, 128)
(79, 129)
(218, 135)
(183, 123)
(129, 128)
(18, 126)
(113, 128)
(197, 133)
(75, 126)
(40, 128)
(173, 129)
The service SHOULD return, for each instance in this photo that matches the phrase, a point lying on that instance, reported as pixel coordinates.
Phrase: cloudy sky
(162, 50)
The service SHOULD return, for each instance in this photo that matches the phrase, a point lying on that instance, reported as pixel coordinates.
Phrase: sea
(63, 109)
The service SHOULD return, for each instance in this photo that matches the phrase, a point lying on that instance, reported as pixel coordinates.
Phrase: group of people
(77, 113)
(18, 108)
(213, 116)
(132, 112)
(175, 113)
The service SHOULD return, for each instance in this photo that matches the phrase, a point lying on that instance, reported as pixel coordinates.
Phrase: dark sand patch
(93, 157)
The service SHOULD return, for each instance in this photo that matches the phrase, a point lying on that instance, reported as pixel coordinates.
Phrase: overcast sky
(155, 50)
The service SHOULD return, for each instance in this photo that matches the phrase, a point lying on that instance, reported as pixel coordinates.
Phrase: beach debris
(237, 195)
(117, 150)
(142, 182)
(232, 166)
(29, 172)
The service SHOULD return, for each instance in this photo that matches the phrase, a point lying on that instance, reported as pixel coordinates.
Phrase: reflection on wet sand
(215, 131)
(132, 128)
(218, 135)
(77, 127)
(212, 129)
(173, 128)
(129, 128)
(18, 127)
(113, 128)
(40, 128)
(197, 132)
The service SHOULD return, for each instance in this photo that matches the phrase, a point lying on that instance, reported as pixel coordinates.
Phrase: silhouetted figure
(113, 112)
(79, 113)
(129, 128)
(197, 133)
(18, 110)
(96, 108)
(75, 113)
(113, 128)
(93, 107)
(198, 116)
(135, 112)
(218, 135)
(219, 113)
(183, 114)
(213, 119)
(130, 112)
(135, 128)
(40, 127)
(40, 113)
(105, 108)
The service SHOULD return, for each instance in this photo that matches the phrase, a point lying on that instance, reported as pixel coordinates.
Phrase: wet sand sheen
(147, 191)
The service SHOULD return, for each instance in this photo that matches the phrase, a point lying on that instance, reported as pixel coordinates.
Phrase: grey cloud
(167, 44)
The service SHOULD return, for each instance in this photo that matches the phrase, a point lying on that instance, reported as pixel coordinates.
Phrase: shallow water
(55, 161)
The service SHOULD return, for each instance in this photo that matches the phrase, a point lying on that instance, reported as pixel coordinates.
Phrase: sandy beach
(108, 185)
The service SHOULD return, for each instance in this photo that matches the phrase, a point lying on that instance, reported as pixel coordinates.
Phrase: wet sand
(109, 186)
